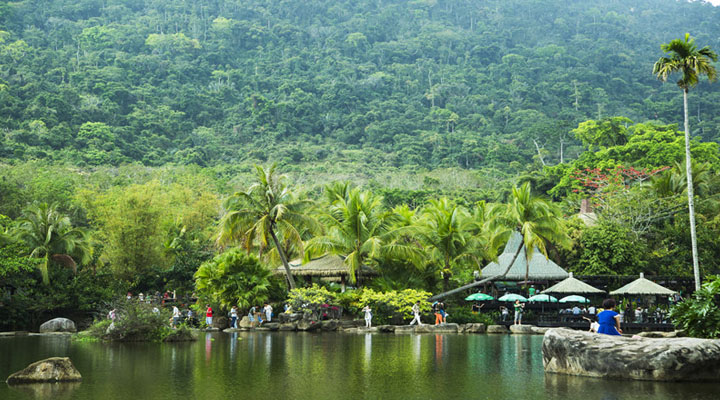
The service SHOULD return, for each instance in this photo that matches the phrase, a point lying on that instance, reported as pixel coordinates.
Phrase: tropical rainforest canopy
(136, 118)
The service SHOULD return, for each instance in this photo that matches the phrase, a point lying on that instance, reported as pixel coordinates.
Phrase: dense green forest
(430, 83)
(130, 129)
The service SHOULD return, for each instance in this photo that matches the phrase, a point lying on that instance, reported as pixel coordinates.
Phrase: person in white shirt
(416, 312)
(233, 317)
(368, 316)
(175, 316)
(268, 312)
(591, 310)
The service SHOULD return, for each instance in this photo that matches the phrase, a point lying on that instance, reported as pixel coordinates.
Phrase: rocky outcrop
(58, 325)
(473, 328)
(329, 325)
(386, 328)
(290, 326)
(272, 326)
(658, 334)
(245, 323)
(308, 326)
(589, 354)
(404, 330)
(55, 369)
(521, 329)
(539, 331)
(220, 323)
(497, 329)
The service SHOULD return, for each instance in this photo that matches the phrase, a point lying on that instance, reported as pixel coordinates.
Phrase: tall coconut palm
(360, 230)
(267, 209)
(684, 57)
(51, 237)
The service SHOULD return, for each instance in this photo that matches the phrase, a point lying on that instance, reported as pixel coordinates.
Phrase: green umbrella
(512, 297)
(543, 298)
(574, 299)
(479, 297)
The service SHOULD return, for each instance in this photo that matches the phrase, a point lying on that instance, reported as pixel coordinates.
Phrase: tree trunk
(480, 282)
(527, 268)
(691, 195)
(288, 275)
(446, 275)
(44, 270)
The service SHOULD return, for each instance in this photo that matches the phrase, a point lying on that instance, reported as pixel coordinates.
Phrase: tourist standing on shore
(233, 316)
(436, 311)
(609, 320)
(416, 313)
(268, 312)
(518, 312)
(504, 313)
(368, 316)
(175, 316)
(208, 315)
(443, 314)
(251, 316)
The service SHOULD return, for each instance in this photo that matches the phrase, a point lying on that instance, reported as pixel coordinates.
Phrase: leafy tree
(610, 249)
(684, 57)
(266, 208)
(699, 315)
(233, 278)
(49, 235)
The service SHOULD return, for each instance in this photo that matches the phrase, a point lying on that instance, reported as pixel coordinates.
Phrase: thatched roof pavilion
(642, 286)
(572, 285)
(327, 266)
(541, 268)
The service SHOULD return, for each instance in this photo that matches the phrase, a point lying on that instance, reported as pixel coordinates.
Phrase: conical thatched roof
(643, 286)
(572, 286)
(541, 268)
(325, 266)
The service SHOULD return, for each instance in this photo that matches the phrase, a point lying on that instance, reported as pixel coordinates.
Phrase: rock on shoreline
(589, 354)
(54, 369)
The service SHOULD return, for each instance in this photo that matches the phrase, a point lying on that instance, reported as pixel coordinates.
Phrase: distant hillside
(430, 83)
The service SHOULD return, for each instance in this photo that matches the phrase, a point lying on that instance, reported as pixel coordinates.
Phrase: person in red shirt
(208, 316)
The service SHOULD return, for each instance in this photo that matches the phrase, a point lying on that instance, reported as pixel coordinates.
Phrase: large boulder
(290, 326)
(590, 354)
(273, 326)
(497, 329)
(245, 323)
(220, 322)
(474, 328)
(404, 329)
(329, 325)
(521, 329)
(307, 326)
(445, 328)
(386, 328)
(54, 369)
(58, 325)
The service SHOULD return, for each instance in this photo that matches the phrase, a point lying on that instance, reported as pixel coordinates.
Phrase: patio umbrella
(512, 297)
(642, 286)
(571, 285)
(573, 299)
(543, 298)
(479, 297)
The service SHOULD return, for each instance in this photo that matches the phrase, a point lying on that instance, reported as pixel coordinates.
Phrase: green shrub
(311, 298)
(699, 316)
(391, 307)
(464, 315)
(136, 321)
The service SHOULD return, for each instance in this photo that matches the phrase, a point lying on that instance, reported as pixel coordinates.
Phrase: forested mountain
(428, 82)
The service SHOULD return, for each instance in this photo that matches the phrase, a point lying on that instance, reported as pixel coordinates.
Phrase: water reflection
(47, 390)
(323, 366)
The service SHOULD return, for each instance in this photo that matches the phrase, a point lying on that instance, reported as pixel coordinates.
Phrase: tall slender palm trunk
(691, 195)
(288, 274)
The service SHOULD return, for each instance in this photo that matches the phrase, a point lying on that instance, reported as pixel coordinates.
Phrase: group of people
(438, 308)
(415, 310)
(253, 315)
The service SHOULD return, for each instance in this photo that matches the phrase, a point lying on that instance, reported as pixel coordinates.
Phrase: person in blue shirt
(609, 320)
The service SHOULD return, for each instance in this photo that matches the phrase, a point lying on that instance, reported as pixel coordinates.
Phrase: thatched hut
(328, 267)
(541, 268)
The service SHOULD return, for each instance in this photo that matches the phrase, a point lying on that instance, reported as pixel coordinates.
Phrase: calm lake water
(263, 365)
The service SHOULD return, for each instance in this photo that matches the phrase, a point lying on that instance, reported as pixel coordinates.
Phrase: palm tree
(267, 209)
(446, 231)
(50, 236)
(360, 230)
(537, 220)
(684, 57)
